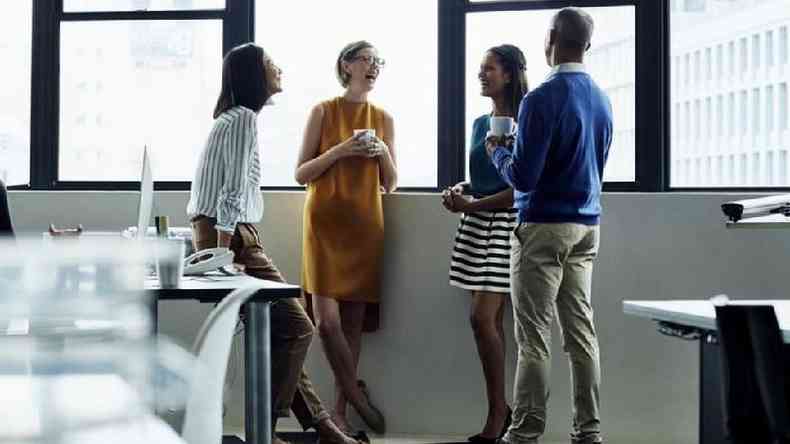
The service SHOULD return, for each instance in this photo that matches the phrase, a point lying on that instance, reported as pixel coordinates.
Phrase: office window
(783, 116)
(782, 166)
(15, 52)
(708, 171)
(677, 118)
(698, 178)
(697, 122)
(769, 170)
(731, 114)
(749, 104)
(613, 46)
(687, 122)
(769, 109)
(708, 119)
(719, 170)
(708, 64)
(744, 168)
(731, 57)
(756, 122)
(140, 5)
(697, 65)
(719, 116)
(731, 169)
(687, 68)
(129, 84)
(407, 88)
(719, 62)
(677, 170)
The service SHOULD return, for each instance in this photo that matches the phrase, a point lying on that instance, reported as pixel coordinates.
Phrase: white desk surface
(701, 314)
(33, 403)
(770, 221)
(216, 281)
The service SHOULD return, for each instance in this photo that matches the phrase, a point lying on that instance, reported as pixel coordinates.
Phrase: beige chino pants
(551, 273)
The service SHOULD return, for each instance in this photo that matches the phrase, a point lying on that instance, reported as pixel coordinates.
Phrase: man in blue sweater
(556, 170)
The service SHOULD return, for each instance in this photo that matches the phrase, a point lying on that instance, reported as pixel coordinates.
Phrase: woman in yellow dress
(345, 172)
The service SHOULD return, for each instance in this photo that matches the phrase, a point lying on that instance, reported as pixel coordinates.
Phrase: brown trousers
(291, 329)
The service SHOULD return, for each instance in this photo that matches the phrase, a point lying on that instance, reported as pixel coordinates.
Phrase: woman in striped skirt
(481, 255)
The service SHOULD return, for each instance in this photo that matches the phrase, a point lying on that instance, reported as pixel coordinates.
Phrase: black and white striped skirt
(481, 255)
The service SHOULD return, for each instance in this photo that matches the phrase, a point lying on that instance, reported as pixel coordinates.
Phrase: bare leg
(352, 316)
(486, 320)
(338, 352)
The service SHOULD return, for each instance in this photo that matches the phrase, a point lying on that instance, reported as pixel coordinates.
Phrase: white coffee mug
(501, 125)
(368, 134)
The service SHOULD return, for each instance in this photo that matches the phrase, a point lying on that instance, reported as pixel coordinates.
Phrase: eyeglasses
(369, 60)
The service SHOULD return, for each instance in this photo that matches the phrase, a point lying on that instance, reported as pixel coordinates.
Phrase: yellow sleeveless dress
(343, 228)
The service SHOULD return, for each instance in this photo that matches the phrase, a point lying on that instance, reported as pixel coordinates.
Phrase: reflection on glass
(750, 129)
(610, 61)
(129, 84)
(405, 36)
(15, 53)
(76, 349)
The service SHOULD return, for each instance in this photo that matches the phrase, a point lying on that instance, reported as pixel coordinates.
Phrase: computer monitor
(146, 201)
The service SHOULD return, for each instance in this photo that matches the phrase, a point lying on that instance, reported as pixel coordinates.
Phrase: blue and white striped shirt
(227, 180)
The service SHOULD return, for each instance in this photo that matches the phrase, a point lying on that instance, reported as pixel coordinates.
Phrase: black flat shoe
(479, 439)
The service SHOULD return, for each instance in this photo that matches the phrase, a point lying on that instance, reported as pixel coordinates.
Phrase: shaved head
(574, 28)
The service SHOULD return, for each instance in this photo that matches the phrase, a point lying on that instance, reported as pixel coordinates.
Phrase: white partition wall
(422, 366)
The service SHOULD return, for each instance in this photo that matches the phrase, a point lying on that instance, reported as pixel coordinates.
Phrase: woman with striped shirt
(224, 206)
(481, 256)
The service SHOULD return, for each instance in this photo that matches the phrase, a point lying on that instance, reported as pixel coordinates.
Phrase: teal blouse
(484, 178)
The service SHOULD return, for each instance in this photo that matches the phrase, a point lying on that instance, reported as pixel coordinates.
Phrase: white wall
(422, 366)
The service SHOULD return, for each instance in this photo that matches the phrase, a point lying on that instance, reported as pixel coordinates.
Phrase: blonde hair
(347, 55)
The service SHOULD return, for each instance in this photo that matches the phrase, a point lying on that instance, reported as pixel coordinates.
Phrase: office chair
(755, 406)
(771, 366)
(203, 415)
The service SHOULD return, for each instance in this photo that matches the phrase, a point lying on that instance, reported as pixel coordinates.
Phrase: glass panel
(128, 84)
(407, 87)
(139, 5)
(751, 126)
(610, 61)
(15, 52)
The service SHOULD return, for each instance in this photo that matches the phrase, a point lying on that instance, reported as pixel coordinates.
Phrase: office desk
(699, 318)
(770, 221)
(211, 289)
(94, 408)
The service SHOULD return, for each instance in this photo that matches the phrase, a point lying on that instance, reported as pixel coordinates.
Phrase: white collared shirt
(568, 67)
(227, 179)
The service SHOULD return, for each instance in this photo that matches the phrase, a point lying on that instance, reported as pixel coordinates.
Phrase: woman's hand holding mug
(355, 145)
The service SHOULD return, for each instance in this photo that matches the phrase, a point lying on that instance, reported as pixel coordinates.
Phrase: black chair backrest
(755, 404)
(770, 363)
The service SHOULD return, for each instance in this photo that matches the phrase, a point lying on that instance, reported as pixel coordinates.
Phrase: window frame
(652, 92)
(237, 27)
